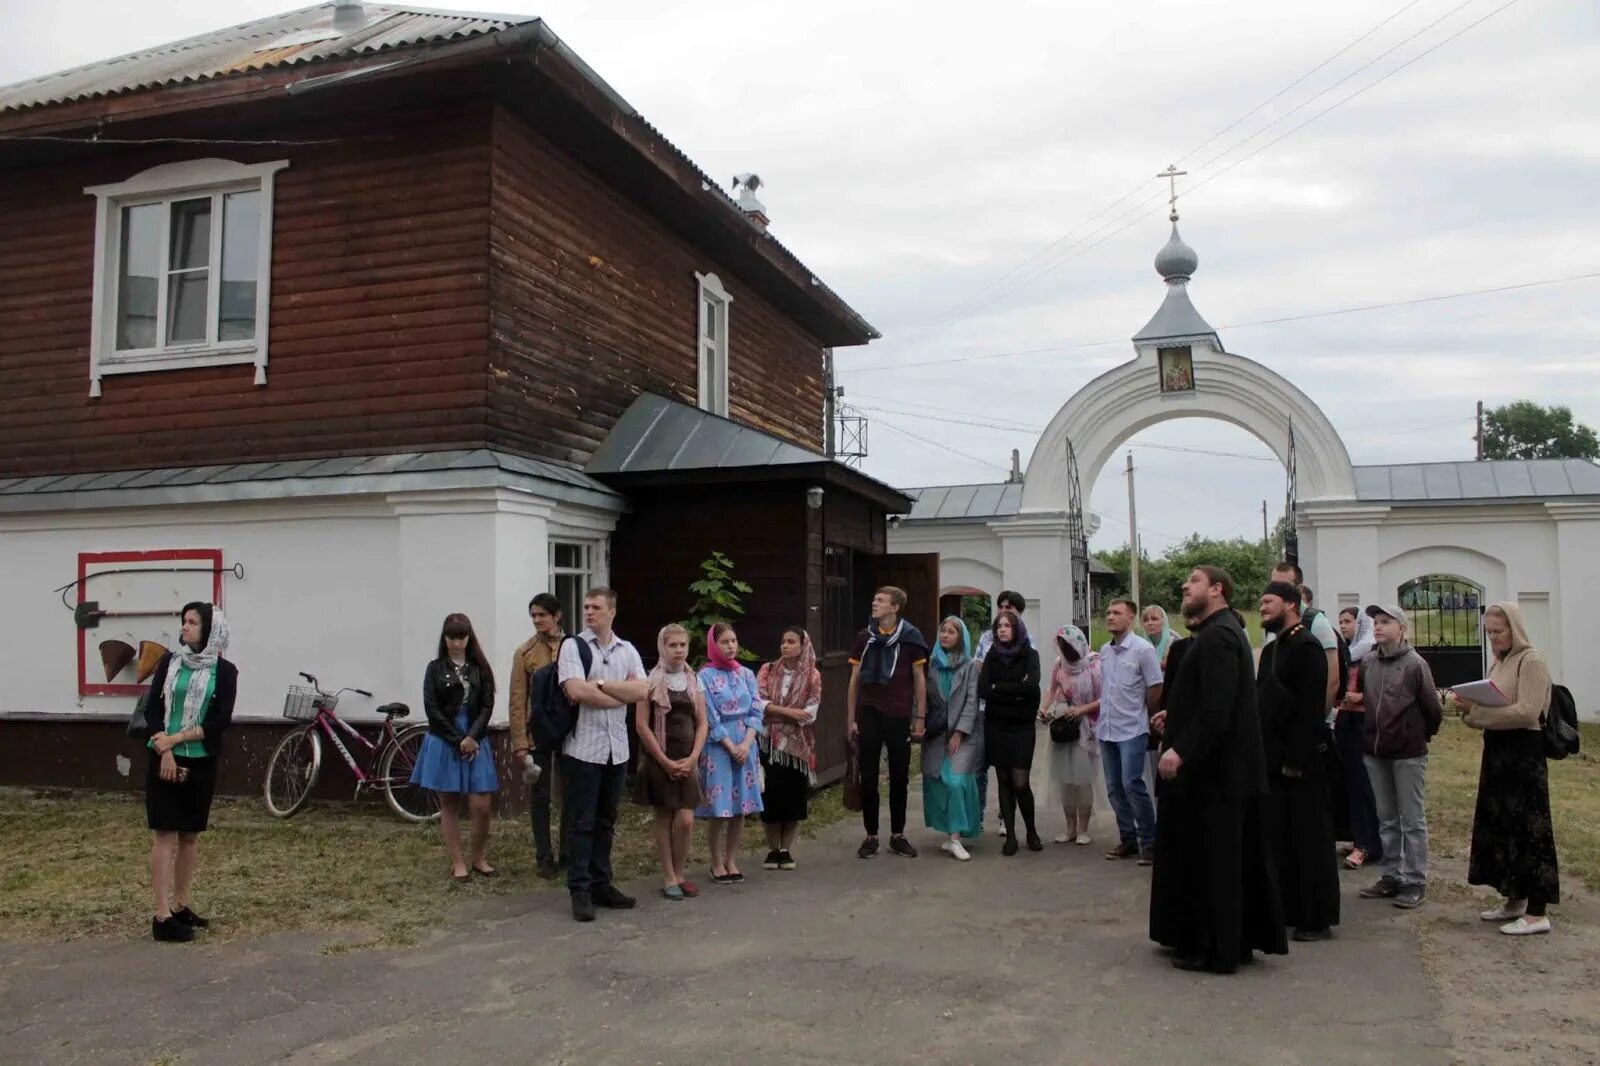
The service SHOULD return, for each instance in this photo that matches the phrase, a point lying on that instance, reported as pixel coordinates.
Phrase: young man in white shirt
(1130, 689)
(594, 757)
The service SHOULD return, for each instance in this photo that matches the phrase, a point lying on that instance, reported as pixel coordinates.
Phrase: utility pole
(1266, 538)
(1133, 536)
(1479, 435)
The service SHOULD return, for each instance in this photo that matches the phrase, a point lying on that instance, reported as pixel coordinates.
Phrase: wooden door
(919, 576)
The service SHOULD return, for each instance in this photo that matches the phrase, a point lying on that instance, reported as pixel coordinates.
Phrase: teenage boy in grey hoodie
(1402, 714)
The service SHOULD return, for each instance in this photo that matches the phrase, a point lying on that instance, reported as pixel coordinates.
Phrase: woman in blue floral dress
(729, 769)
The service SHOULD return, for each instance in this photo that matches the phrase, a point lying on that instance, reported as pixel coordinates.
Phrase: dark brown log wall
(593, 300)
(378, 321)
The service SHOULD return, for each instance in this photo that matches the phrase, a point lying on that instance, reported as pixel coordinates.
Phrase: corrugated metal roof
(656, 434)
(955, 502)
(302, 36)
(1500, 479)
(309, 477)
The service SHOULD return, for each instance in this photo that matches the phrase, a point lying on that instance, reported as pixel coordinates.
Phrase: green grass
(79, 868)
(1574, 798)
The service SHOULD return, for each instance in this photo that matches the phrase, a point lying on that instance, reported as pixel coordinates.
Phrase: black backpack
(1560, 724)
(552, 717)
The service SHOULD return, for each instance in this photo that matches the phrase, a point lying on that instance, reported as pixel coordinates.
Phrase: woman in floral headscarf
(792, 687)
(1072, 707)
(189, 706)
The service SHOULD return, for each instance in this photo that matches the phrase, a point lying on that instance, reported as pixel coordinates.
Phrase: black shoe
(548, 870)
(868, 848)
(1147, 857)
(1385, 887)
(1010, 846)
(582, 907)
(902, 846)
(1410, 897)
(1034, 843)
(1200, 964)
(1124, 850)
(607, 896)
(1311, 936)
(785, 861)
(171, 929)
(191, 919)
(771, 861)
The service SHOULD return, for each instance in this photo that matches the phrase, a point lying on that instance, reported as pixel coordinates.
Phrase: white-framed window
(571, 575)
(713, 304)
(182, 265)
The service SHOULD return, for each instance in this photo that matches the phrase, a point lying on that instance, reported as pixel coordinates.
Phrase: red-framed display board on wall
(140, 594)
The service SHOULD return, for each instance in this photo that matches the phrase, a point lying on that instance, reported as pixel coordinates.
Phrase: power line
(886, 424)
(1139, 213)
(1235, 325)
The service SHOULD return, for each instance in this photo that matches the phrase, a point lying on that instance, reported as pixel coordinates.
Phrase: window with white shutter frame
(712, 309)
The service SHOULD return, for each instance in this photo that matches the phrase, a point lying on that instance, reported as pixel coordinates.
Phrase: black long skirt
(1513, 843)
(787, 795)
(179, 806)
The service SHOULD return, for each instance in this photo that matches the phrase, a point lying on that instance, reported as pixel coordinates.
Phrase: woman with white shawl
(1348, 729)
(1072, 707)
(186, 711)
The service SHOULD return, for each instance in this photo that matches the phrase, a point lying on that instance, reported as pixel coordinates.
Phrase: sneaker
(1525, 926)
(607, 896)
(1147, 857)
(1385, 887)
(1064, 838)
(1123, 851)
(194, 921)
(902, 846)
(771, 861)
(1410, 897)
(582, 907)
(1003, 831)
(868, 848)
(171, 930)
(1503, 913)
(1083, 840)
(955, 848)
(786, 861)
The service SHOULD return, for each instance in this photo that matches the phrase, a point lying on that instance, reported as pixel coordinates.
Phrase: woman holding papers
(1513, 845)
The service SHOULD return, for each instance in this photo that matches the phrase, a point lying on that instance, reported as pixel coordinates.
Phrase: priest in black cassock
(1214, 896)
(1291, 685)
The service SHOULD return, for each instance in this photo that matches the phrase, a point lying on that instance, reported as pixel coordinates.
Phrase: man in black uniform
(1294, 739)
(1214, 896)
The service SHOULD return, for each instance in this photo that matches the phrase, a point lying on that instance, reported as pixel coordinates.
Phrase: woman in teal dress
(730, 785)
(952, 754)
(188, 708)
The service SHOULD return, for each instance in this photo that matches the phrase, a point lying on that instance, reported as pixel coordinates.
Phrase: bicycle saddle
(394, 710)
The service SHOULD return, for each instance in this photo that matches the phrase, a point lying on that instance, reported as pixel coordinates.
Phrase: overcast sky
(917, 155)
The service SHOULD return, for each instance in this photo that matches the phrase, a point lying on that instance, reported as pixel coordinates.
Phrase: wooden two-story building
(355, 316)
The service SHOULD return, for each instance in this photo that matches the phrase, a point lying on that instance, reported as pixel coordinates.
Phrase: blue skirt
(441, 768)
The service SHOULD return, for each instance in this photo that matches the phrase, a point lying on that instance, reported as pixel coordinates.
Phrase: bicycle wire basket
(302, 704)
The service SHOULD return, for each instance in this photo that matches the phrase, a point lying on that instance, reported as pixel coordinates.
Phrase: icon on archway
(1176, 366)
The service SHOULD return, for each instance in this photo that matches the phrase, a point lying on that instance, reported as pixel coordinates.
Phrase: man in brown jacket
(539, 650)
(1403, 713)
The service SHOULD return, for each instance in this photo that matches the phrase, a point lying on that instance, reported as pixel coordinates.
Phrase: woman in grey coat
(952, 752)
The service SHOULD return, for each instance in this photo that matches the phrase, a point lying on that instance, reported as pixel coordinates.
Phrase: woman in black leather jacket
(1008, 683)
(458, 696)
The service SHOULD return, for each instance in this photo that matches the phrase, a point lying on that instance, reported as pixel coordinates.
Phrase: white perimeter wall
(352, 590)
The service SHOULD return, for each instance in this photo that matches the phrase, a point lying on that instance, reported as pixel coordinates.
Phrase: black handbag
(1066, 730)
(139, 721)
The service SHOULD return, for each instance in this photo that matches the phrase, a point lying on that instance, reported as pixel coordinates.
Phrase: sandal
(690, 889)
(1355, 860)
(673, 892)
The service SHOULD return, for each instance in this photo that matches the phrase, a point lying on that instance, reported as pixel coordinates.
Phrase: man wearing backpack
(1402, 713)
(594, 756)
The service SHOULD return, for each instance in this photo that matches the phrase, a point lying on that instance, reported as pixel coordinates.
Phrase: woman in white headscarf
(1348, 734)
(1513, 842)
(188, 708)
(1072, 707)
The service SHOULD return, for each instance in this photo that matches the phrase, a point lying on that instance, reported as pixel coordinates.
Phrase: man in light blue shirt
(1130, 688)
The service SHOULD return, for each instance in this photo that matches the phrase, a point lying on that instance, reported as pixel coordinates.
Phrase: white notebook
(1483, 693)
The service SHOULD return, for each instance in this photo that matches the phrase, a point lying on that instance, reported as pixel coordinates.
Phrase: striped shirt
(601, 735)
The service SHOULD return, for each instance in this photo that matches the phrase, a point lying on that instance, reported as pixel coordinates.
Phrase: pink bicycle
(297, 761)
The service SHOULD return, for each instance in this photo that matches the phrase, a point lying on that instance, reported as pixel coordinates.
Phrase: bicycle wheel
(411, 802)
(292, 771)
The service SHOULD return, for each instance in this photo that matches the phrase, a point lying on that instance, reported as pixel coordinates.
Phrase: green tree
(976, 613)
(1527, 430)
(718, 598)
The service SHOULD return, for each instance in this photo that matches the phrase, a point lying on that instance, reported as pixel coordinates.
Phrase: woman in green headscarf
(1159, 631)
(952, 751)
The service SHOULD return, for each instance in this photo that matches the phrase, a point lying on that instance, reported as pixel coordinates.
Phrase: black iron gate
(1445, 616)
(1291, 538)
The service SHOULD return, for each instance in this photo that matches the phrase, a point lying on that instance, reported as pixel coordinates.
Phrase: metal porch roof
(657, 434)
